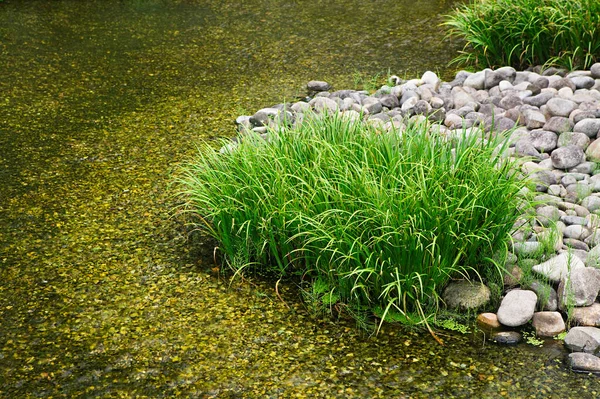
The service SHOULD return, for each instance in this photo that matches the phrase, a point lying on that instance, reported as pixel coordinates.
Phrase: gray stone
(584, 362)
(589, 127)
(547, 215)
(475, 80)
(595, 70)
(507, 73)
(557, 268)
(432, 79)
(585, 167)
(492, 78)
(583, 82)
(548, 324)
(390, 101)
(517, 307)
(525, 148)
(583, 339)
(372, 105)
(533, 119)
(421, 107)
(547, 297)
(324, 105)
(569, 138)
(317, 85)
(587, 315)
(577, 232)
(466, 295)
(560, 106)
(558, 124)
(526, 248)
(543, 141)
(575, 244)
(567, 157)
(560, 83)
(538, 100)
(510, 101)
(507, 337)
(593, 258)
(570, 219)
(580, 289)
(591, 203)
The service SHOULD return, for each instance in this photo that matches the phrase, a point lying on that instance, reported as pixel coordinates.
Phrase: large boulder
(548, 324)
(464, 294)
(583, 339)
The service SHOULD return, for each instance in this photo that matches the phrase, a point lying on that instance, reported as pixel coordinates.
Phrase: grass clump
(523, 33)
(378, 222)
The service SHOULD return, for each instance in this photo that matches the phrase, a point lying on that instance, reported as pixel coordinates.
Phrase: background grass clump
(377, 222)
(523, 33)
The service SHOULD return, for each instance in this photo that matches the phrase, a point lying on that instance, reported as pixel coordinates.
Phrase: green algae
(104, 293)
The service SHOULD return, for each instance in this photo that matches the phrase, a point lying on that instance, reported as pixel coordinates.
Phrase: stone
(583, 82)
(548, 324)
(533, 119)
(593, 258)
(567, 157)
(539, 100)
(577, 232)
(580, 140)
(547, 297)
(324, 105)
(475, 80)
(558, 124)
(431, 78)
(390, 101)
(583, 339)
(587, 315)
(547, 215)
(593, 151)
(372, 105)
(524, 148)
(580, 289)
(514, 276)
(584, 362)
(517, 307)
(557, 268)
(543, 141)
(574, 243)
(526, 248)
(507, 337)
(591, 203)
(560, 83)
(560, 106)
(590, 127)
(317, 85)
(595, 70)
(488, 322)
(466, 295)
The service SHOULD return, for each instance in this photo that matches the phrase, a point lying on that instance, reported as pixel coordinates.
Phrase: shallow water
(102, 294)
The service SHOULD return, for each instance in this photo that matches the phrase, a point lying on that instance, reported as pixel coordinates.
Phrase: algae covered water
(103, 291)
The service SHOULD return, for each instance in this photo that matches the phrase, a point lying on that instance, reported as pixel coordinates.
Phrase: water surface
(102, 293)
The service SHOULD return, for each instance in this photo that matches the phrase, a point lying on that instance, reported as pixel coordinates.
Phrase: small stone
(558, 124)
(317, 85)
(577, 139)
(574, 243)
(526, 248)
(547, 215)
(595, 70)
(591, 203)
(539, 100)
(583, 339)
(324, 105)
(584, 362)
(488, 321)
(543, 141)
(548, 324)
(507, 337)
(517, 307)
(514, 276)
(557, 268)
(577, 231)
(587, 315)
(475, 80)
(547, 297)
(466, 295)
(583, 82)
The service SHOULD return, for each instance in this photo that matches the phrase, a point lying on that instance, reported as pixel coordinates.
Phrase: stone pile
(556, 120)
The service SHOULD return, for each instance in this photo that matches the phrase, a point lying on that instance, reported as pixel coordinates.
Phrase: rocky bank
(554, 120)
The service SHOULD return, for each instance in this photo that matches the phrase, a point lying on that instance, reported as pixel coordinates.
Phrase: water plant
(523, 33)
(375, 220)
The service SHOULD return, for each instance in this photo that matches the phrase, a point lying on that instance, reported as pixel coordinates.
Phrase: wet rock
(584, 362)
(583, 339)
(587, 315)
(507, 337)
(580, 289)
(557, 268)
(548, 324)
(517, 307)
(488, 322)
(317, 85)
(466, 295)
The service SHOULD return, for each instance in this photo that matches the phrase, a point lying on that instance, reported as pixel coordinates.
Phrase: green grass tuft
(379, 222)
(523, 33)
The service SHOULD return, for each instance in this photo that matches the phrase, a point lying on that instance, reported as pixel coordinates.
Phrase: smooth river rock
(517, 307)
(583, 339)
